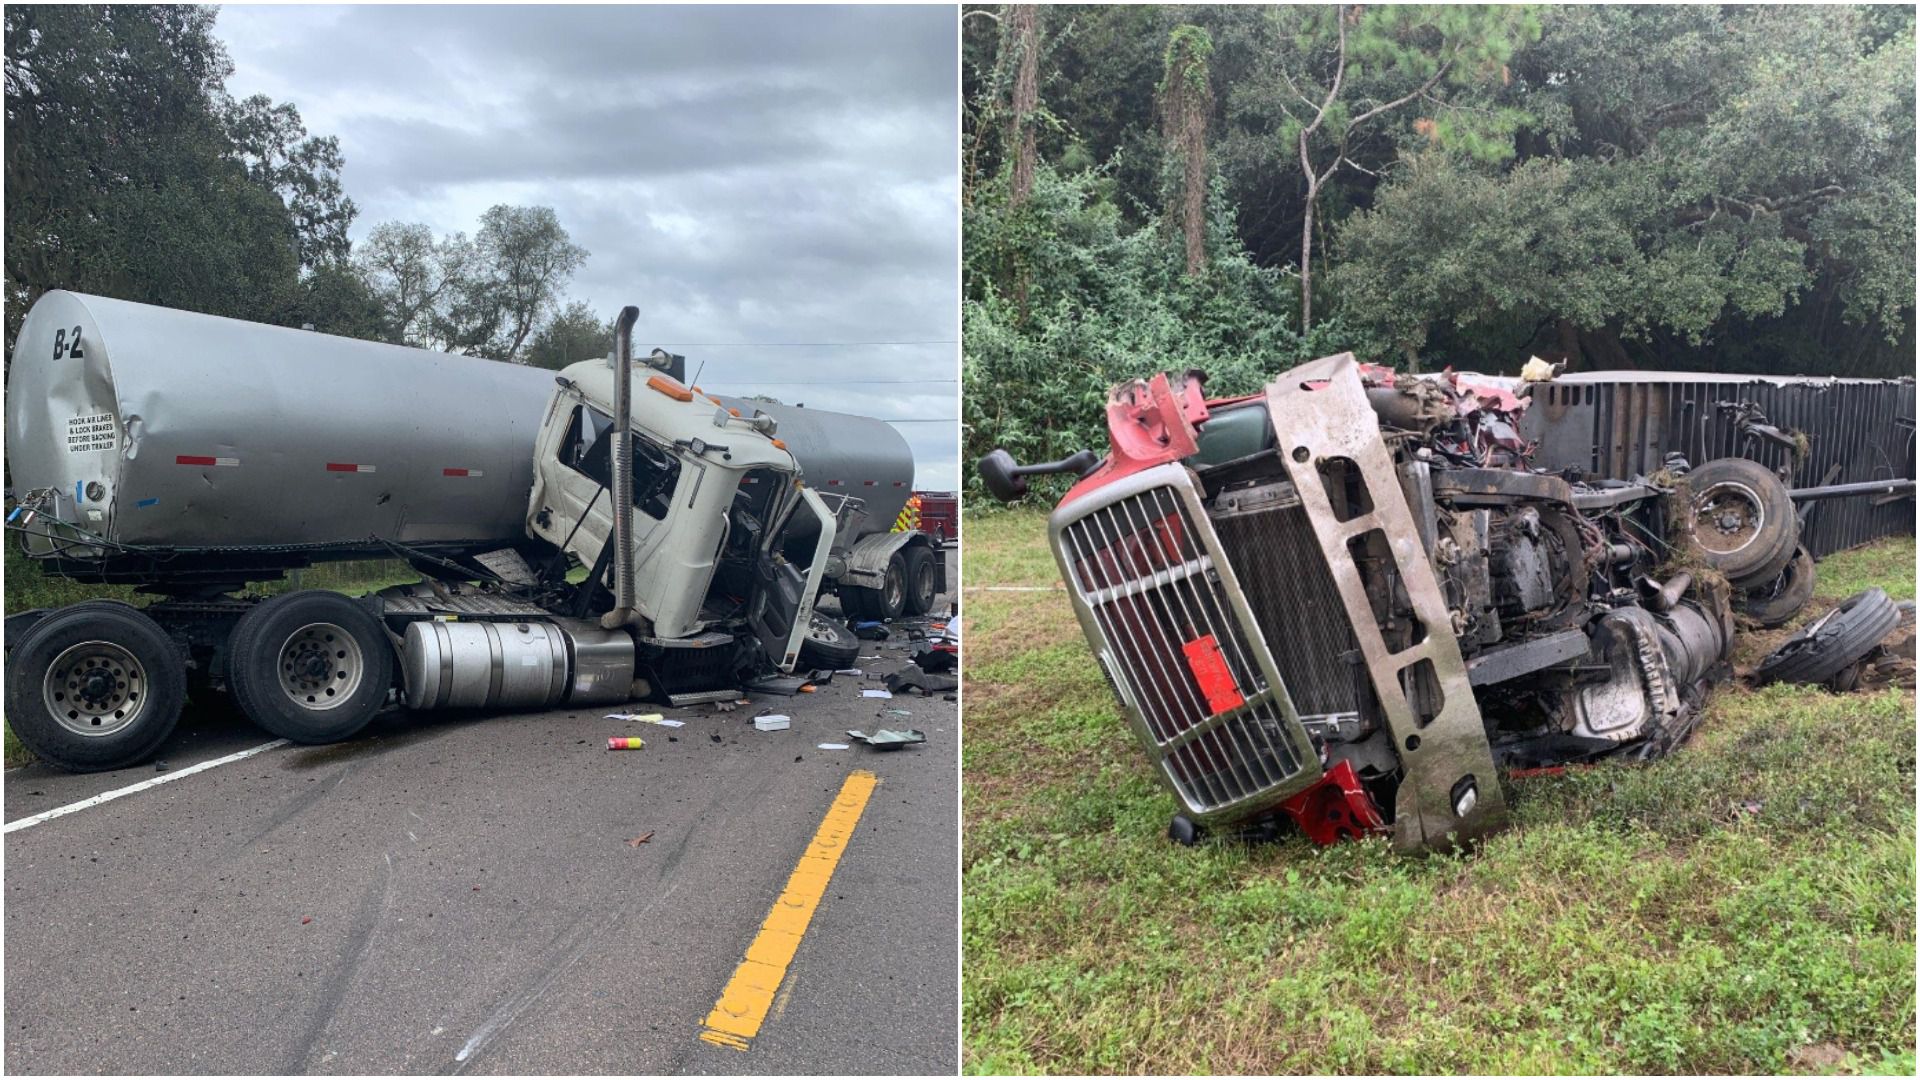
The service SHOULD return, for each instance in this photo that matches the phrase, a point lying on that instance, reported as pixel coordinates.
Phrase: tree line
(132, 173)
(1238, 188)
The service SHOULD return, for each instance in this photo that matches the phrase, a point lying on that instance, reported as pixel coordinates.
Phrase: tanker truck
(191, 456)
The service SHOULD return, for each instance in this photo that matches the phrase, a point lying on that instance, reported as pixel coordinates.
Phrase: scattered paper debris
(773, 722)
(876, 693)
(833, 746)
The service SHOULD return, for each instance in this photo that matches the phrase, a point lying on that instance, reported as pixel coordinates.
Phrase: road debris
(641, 839)
(888, 739)
(876, 693)
(915, 679)
(657, 719)
(618, 742)
(773, 722)
(832, 746)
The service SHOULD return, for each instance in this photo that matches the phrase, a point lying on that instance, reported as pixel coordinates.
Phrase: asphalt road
(475, 905)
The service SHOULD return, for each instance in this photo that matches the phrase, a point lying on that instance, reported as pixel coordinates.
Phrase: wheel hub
(320, 666)
(95, 688)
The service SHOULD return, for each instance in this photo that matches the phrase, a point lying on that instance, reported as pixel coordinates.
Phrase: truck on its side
(191, 455)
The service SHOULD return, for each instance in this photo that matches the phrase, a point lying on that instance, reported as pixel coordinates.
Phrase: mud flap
(1449, 792)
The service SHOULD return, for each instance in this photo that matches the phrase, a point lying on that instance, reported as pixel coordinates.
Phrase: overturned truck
(189, 456)
(1351, 601)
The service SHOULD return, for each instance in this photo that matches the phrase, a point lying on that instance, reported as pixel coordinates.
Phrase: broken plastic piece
(888, 739)
(625, 743)
(773, 722)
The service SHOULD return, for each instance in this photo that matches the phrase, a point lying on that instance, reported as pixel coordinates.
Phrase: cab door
(785, 592)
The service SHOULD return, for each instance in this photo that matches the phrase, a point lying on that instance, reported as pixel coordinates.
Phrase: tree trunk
(1024, 22)
(1306, 251)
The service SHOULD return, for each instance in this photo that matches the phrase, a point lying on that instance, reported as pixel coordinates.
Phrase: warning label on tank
(86, 433)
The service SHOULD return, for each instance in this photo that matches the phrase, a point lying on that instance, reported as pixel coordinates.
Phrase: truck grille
(1146, 572)
(1277, 559)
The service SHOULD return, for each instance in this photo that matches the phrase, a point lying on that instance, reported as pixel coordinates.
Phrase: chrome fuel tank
(170, 429)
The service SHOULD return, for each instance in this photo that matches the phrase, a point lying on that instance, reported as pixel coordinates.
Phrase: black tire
(1743, 520)
(1779, 600)
(828, 644)
(885, 603)
(311, 666)
(920, 580)
(1833, 642)
(128, 705)
(1184, 831)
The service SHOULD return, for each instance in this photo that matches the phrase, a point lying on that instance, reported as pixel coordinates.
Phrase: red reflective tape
(899, 483)
(1211, 674)
(461, 472)
(835, 483)
(203, 460)
(868, 483)
(339, 466)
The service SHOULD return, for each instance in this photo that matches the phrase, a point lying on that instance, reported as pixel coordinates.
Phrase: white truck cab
(716, 496)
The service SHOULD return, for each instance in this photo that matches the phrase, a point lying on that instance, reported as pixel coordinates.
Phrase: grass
(28, 586)
(1746, 905)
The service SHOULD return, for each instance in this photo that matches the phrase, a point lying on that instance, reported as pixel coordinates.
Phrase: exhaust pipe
(622, 458)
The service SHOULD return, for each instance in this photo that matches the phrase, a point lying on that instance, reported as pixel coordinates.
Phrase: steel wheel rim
(95, 689)
(320, 666)
(896, 590)
(819, 629)
(1737, 522)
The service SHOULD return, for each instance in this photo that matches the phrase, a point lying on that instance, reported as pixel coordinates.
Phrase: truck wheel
(828, 644)
(95, 686)
(919, 580)
(1743, 520)
(1781, 599)
(886, 602)
(1833, 642)
(311, 666)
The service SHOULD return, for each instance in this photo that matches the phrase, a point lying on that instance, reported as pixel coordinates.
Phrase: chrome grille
(1146, 571)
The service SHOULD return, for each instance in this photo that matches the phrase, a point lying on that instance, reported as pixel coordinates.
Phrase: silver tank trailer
(843, 454)
(172, 429)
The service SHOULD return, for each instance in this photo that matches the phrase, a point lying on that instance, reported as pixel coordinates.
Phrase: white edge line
(109, 796)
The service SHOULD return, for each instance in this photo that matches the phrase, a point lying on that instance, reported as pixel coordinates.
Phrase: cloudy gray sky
(743, 174)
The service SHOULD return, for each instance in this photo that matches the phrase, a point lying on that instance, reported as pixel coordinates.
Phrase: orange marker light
(670, 388)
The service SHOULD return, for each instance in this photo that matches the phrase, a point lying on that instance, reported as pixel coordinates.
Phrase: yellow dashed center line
(743, 1005)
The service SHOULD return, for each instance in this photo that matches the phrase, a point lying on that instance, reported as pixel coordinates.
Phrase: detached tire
(1743, 520)
(920, 577)
(95, 686)
(828, 644)
(1834, 642)
(311, 666)
(1774, 603)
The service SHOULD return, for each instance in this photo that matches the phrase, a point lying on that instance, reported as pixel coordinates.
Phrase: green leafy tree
(414, 278)
(572, 335)
(1718, 187)
(124, 176)
(521, 260)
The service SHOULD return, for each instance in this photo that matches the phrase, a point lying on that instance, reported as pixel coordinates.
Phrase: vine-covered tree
(1186, 102)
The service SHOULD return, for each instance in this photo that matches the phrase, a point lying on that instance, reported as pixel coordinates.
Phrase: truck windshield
(587, 450)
